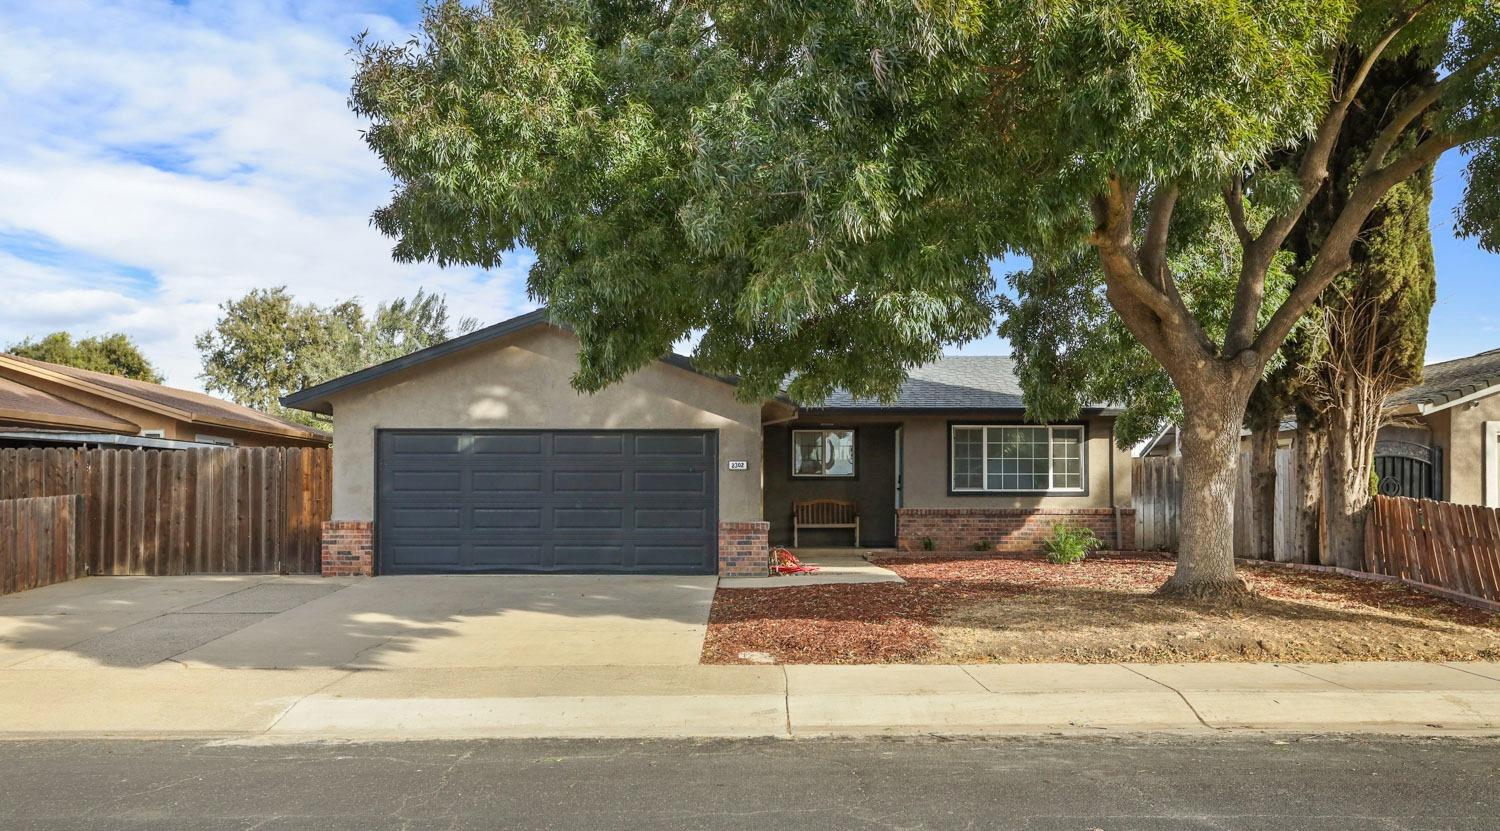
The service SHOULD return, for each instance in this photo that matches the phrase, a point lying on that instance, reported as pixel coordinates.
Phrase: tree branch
(1234, 201)
(1333, 256)
(1154, 247)
(1391, 134)
(1313, 169)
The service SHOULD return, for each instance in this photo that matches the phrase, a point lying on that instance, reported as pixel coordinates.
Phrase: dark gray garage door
(562, 501)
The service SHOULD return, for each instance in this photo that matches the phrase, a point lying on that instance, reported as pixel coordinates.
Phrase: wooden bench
(824, 513)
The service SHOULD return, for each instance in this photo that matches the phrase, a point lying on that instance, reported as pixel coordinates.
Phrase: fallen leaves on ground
(1019, 610)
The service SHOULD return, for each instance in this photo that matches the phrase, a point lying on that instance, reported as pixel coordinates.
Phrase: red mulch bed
(897, 623)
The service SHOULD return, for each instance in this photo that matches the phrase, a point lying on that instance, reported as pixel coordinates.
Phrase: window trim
(1082, 429)
(792, 453)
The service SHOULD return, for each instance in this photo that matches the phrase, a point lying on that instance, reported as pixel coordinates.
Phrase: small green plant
(1070, 543)
(982, 545)
(928, 544)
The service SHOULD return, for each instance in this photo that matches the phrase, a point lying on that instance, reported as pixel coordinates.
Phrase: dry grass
(1027, 610)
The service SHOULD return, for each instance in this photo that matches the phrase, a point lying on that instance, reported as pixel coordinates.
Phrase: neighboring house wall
(1460, 431)
(522, 382)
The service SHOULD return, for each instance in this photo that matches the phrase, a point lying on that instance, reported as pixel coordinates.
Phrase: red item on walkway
(787, 563)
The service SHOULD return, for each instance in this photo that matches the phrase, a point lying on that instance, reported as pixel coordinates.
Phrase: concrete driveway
(270, 622)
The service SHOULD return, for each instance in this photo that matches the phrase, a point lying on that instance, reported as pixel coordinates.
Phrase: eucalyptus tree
(820, 187)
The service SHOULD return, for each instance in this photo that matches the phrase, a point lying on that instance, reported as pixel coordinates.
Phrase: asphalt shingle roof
(1450, 380)
(969, 382)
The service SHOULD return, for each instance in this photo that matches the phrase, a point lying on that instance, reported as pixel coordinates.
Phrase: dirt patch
(1027, 610)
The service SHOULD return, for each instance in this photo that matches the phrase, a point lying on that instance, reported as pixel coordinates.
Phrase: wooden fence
(1452, 547)
(38, 541)
(220, 510)
(1156, 495)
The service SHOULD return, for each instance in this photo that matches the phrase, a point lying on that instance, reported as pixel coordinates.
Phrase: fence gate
(1407, 469)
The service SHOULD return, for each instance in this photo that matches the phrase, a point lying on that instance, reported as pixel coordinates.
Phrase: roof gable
(316, 398)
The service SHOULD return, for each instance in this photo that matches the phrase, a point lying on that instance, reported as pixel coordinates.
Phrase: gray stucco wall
(522, 382)
(925, 454)
(1460, 432)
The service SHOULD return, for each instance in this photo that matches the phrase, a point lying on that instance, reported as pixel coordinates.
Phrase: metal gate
(1405, 468)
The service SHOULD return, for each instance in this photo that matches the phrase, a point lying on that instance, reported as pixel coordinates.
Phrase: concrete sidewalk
(771, 701)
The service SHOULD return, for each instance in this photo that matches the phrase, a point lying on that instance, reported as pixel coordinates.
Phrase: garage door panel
(663, 519)
(541, 501)
(527, 556)
(692, 483)
(510, 482)
(426, 519)
(427, 482)
(425, 555)
(610, 482)
(406, 444)
(593, 519)
(586, 555)
(507, 444)
(674, 445)
(588, 444)
(507, 518)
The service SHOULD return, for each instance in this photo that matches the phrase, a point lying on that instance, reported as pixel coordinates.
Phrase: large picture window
(1017, 459)
(822, 452)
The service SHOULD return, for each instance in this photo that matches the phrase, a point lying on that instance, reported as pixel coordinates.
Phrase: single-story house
(476, 455)
(1441, 439)
(46, 405)
(1452, 420)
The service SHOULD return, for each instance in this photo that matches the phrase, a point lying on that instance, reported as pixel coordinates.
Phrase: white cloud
(208, 147)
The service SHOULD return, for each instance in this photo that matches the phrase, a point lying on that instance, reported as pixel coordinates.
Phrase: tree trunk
(1263, 490)
(1210, 451)
(1307, 536)
(1351, 456)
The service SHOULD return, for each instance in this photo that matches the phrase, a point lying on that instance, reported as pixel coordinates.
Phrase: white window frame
(220, 441)
(984, 444)
(853, 459)
(153, 434)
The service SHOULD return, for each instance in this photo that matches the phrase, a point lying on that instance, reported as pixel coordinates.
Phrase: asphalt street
(1242, 782)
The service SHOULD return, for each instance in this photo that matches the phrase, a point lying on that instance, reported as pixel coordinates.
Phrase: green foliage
(114, 354)
(928, 544)
(1069, 543)
(265, 344)
(1072, 349)
(984, 545)
(819, 189)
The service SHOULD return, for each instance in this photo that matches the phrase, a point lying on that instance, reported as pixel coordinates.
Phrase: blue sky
(160, 158)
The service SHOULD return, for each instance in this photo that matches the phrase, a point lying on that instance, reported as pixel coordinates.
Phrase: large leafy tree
(266, 344)
(820, 187)
(115, 354)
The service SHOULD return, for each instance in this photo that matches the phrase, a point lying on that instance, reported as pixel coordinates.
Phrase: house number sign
(737, 464)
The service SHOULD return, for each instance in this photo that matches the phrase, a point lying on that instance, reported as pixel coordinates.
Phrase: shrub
(928, 544)
(1070, 543)
(983, 545)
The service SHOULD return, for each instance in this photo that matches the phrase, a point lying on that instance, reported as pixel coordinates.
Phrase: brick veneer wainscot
(348, 548)
(744, 549)
(1009, 530)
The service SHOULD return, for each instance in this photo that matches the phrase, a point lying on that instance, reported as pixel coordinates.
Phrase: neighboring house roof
(1447, 383)
(949, 384)
(315, 398)
(25, 406)
(183, 405)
